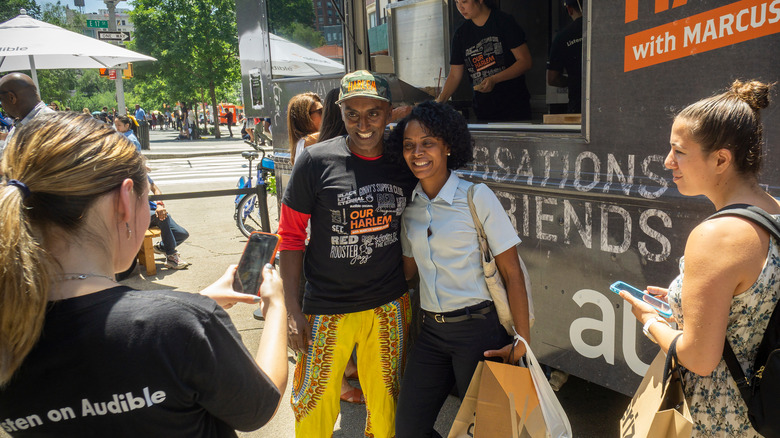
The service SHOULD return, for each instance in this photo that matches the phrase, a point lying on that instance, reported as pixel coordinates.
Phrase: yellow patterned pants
(380, 336)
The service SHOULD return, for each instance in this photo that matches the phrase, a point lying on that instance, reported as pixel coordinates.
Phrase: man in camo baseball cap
(363, 83)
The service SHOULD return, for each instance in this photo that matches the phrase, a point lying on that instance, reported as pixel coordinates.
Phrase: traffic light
(128, 72)
(103, 72)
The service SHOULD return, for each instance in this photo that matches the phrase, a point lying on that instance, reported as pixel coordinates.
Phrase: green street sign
(98, 24)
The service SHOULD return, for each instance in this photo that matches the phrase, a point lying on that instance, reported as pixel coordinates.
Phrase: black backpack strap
(736, 372)
(752, 213)
(772, 225)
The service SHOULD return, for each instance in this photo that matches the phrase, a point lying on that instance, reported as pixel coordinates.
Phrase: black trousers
(443, 355)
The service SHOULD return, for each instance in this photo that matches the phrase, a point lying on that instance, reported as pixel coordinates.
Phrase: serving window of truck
(587, 192)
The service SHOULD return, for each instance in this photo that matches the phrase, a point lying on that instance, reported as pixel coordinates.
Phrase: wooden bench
(146, 254)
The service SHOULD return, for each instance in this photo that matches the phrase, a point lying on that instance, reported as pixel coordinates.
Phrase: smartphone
(260, 249)
(661, 307)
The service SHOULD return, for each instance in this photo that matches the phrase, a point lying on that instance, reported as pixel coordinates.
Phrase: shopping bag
(507, 403)
(555, 418)
(463, 426)
(500, 402)
(657, 411)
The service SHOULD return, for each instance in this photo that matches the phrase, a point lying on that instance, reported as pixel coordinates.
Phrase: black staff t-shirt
(486, 50)
(353, 260)
(127, 363)
(566, 55)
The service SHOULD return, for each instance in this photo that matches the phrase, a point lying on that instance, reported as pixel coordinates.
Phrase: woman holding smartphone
(726, 290)
(84, 355)
(460, 326)
(491, 49)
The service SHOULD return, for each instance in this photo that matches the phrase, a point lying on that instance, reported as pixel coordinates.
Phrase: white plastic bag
(555, 418)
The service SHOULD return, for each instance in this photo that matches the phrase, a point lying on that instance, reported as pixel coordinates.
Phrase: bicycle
(252, 209)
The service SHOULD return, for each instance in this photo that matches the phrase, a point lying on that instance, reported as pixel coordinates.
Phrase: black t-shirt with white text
(566, 54)
(353, 260)
(486, 50)
(127, 363)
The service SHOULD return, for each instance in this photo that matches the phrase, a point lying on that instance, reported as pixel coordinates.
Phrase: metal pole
(34, 74)
(120, 89)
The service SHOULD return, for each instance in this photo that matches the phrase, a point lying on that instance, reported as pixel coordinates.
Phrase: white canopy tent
(29, 44)
(290, 59)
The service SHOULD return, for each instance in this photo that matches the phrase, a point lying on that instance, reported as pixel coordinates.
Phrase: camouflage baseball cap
(363, 83)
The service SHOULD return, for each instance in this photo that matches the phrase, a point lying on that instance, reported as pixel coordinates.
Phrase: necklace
(75, 276)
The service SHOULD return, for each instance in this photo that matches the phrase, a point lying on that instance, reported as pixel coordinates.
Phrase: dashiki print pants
(380, 335)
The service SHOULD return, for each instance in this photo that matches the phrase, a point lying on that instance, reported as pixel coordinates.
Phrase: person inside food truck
(491, 47)
(566, 55)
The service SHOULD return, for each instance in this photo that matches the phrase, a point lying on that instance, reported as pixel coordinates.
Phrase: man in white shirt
(20, 100)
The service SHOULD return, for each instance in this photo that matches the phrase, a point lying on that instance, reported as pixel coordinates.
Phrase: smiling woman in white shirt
(460, 326)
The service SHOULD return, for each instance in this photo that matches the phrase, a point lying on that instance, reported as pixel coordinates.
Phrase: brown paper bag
(500, 384)
(463, 426)
(501, 401)
(657, 412)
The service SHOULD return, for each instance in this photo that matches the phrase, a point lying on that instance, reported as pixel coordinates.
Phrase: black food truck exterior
(592, 202)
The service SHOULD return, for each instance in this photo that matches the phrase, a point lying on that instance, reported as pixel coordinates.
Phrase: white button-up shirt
(448, 258)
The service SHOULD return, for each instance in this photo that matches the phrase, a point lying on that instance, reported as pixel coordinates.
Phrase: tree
(195, 43)
(283, 13)
(10, 9)
(304, 35)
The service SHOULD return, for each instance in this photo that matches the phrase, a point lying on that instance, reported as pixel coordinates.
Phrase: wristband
(646, 327)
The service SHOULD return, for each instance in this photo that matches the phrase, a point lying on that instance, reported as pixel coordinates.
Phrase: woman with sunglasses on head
(82, 355)
(460, 325)
(304, 117)
(727, 287)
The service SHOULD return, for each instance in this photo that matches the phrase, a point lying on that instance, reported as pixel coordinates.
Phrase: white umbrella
(290, 59)
(29, 44)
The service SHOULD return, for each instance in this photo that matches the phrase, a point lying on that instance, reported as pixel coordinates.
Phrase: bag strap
(736, 372)
(483, 245)
(672, 363)
(753, 214)
(760, 217)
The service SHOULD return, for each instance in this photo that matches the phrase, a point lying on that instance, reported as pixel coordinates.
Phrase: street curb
(163, 155)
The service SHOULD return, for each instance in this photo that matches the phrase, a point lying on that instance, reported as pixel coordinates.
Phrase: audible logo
(12, 49)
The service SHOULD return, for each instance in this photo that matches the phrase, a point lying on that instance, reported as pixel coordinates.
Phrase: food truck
(591, 200)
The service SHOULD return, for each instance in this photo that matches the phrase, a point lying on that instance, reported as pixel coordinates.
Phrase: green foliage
(283, 13)
(304, 35)
(196, 46)
(64, 17)
(10, 9)
(271, 184)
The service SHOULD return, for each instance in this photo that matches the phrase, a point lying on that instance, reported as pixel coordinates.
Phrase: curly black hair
(441, 121)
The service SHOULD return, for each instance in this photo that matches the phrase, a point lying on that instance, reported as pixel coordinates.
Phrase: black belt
(477, 311)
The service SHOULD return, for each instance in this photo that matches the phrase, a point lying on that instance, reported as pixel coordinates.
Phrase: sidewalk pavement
(163, 144)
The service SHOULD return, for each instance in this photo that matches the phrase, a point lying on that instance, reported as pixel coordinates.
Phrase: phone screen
(259, 250)
(661, 307)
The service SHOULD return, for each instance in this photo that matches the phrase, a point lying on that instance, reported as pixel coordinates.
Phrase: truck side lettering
(632, 7)
(607, 328)
(720, 27)
(616, 225)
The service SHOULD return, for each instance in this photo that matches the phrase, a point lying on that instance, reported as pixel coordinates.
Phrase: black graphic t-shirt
(353, 260)
(566, 54)
(485, 51)
(127, 363)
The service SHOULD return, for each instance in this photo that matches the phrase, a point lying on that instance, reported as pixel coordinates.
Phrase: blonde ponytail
(24, 282)
(53, 171)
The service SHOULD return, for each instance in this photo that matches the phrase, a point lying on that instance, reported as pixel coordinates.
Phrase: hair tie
(22, 186)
